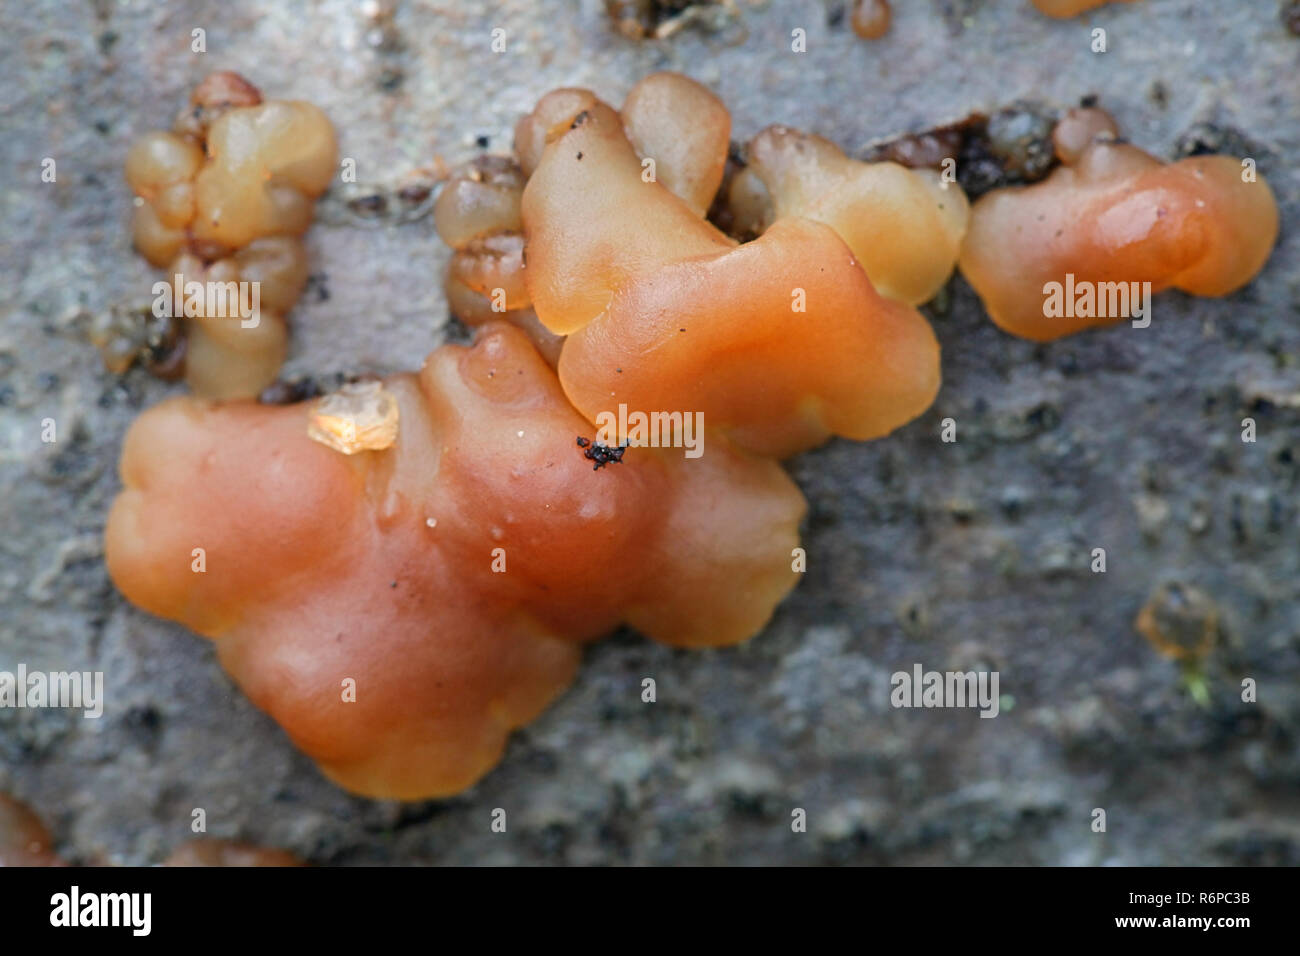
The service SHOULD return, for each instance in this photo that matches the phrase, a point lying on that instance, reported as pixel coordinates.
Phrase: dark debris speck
(1291, 16)
(600, 453)
(290, 392)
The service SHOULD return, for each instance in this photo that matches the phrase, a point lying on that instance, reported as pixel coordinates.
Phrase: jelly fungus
(779, 343)
(477, 214)
(395, 650)
(871, 18)
(1072, 8)
(905, 226)
(24, 841)
(228, 853)
(1109, 217)
(225, 197)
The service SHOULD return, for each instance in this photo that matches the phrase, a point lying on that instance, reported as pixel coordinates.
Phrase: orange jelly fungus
(904, 225)
(225, 197)
(1115, 214)
(24, 841)
(228, 853)
(477, 214)
(363, 600)
(871, 18)
(779, 343)
(668, 116)
(1071, 8)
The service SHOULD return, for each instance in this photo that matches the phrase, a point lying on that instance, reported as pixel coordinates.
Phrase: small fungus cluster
(25, 841)
(224, 198)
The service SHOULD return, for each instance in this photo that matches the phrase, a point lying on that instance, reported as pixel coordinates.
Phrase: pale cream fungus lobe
(477, 213)
(685, 130)
(225, 197)
(904, 225)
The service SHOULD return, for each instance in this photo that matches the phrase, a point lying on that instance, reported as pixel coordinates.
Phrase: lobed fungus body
(871, 18)
(477, 214)
(905, 226)
(1078, 129)
(205, 853)
(1114, 214)
(452, 576)
(229, 354)
(778, 343)
(1063, 9)
(679, 128)
(685, 130)
(24, 841)
(225, 196)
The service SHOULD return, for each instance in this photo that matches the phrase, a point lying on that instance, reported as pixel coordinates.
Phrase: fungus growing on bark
(225, 197)
(24, 841)
(400, 611)
(1109, 221)
(779, 343)
(904, 225)
(1063, 9)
